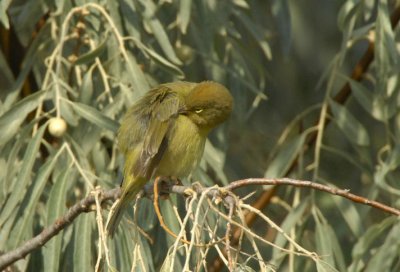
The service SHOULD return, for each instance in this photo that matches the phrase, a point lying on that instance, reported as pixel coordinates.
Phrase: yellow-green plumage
(164, 133)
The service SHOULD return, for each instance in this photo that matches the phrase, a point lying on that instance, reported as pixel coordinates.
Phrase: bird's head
(208, 104)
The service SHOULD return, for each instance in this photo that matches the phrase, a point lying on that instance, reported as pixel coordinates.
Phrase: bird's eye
(198, 110)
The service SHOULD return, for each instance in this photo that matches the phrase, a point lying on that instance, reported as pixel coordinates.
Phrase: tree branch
(85, 205)
(82, 206)
(317, 186)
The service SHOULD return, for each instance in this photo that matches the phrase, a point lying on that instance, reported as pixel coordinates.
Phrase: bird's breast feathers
(184, 149)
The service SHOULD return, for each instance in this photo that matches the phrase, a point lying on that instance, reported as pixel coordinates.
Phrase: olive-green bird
(164, 133)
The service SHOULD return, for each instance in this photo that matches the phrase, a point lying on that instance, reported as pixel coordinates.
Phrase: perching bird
(164, 133)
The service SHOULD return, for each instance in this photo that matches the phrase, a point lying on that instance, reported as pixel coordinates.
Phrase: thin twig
(103, 249)
(228, 234)
(179, 190)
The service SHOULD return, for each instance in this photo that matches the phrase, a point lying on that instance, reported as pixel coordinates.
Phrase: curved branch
(85, 204)
(313, 185)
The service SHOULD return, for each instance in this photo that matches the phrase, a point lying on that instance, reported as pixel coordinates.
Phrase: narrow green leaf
(24, 176)
(158, 30)
(373, 102)
(327, 244)
(148, 218)
(131, 17)
(258, 33)
(42, 41)
(362, 94)
(215, 159)
(350, 215)
(7, 78)
(13, 156)
(183, 19)
(3, 165)
(86, 89)
(67, 113)
(346, 16)
(374, 232)
(387, 254)
(4, 4)
(167, 263)
(59, 5)
(25, 15)
(286, 155)
(93, 115)
(381, 176)
(83, 256)
(338, 252)
(11, 120)
(134, 73)
(163, 41)
(323, 266)
(5, 231)
(123, 243)
(56, 207)
(350, 126)
(386, 53)
(287, 225)
(170, 218)
(27, 209)
(164, 62)
(281, 13)
(93, 54)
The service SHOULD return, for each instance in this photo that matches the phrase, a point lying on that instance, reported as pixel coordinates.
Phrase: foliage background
(284, 61)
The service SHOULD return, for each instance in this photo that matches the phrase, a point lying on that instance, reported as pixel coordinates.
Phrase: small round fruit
(185, 53)
(57, 127)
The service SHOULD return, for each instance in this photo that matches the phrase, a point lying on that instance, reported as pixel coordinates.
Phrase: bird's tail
(128, 194)
(116, 217)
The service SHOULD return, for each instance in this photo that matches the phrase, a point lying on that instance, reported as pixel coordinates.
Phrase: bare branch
(38, 241)
(222, 193)
(317, 186)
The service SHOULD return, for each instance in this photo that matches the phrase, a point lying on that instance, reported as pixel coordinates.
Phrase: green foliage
(87, 61)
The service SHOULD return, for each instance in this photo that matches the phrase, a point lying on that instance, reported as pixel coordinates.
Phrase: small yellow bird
(164, 133)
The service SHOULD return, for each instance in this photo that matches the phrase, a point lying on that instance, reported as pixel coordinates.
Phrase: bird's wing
(165, 107)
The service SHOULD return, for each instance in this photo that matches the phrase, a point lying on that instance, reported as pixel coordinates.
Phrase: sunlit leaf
(3, 15)
(185, 7)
